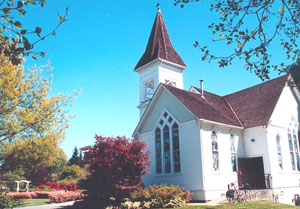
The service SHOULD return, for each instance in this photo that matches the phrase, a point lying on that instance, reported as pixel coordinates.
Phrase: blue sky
(99, 46)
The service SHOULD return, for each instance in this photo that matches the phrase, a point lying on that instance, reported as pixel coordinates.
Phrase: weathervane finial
(158, 6)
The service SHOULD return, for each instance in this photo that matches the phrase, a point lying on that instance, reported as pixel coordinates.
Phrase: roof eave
(221, 124)
(180, 67)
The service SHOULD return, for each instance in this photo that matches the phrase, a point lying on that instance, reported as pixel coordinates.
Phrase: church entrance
(251, 171)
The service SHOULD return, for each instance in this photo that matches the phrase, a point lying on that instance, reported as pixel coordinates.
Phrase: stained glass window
(293, 145)
(167, 156)
(176, 151)
(158, 151)
(167, 145)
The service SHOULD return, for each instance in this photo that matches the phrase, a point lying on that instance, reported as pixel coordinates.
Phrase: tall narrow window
(167, 156)
(293, 144)
(215, 151)
(176, 152)
(291, 150)
(167, 146)
(158, 151)
(296, 150)
(233, 153)
(279, 152)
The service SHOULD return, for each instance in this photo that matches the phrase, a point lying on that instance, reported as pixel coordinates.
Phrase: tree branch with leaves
(16, 41)
(251, 26)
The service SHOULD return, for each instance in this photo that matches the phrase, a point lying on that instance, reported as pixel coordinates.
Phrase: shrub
(7, 202)
(161, 196)
(116, 166)
(59, 197)
(19, 195)
(73, 172)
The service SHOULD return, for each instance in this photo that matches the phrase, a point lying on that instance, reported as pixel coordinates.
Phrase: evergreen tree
(76, 158)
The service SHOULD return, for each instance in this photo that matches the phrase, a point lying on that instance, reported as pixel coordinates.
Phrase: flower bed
(57, 196)
(19, 195)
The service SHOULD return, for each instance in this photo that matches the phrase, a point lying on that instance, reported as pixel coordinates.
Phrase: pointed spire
(159, 45)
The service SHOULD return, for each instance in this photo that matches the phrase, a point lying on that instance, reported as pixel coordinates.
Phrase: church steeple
(160, 63)
(159, 45)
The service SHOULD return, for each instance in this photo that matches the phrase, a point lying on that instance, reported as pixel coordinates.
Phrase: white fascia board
(220, 124)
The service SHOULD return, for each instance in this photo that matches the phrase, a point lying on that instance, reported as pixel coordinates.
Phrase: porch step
(261, 194)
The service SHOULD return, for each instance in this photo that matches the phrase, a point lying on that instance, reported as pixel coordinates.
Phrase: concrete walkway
(63, 205)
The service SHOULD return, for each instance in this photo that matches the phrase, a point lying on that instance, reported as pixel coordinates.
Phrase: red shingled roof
(246, 108)
(255, 105)
(159, 45)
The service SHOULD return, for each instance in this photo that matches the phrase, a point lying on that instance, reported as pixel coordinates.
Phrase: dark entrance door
(251, 171)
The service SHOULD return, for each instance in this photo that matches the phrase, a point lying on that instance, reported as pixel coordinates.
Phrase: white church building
(202, 141)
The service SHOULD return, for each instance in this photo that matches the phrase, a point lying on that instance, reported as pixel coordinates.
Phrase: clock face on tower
(149, 90)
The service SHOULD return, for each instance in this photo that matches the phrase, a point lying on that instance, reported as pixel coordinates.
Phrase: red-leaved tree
(116, 167)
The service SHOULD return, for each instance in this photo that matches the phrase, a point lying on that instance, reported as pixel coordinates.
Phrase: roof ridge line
(233, 111)
(257, 85)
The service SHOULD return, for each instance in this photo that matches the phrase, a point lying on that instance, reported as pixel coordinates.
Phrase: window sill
(167, 175)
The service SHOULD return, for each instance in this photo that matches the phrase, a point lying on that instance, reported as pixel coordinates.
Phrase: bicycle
(237, 193)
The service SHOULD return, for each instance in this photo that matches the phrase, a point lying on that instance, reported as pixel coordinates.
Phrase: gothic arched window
(167, 145)
(215, 151)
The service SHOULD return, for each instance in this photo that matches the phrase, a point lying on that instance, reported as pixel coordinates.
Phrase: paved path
(50, 206)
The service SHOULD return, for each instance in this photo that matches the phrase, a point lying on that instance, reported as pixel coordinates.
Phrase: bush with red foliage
(59, 186)
(116, 167)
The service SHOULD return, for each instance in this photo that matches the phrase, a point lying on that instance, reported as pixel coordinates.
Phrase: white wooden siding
(285, 110)
(215, 182)
(190, 176)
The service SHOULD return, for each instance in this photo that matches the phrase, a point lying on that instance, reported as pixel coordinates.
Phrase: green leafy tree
(26, 108)
(251, 27)
(33, 158)
(17, 41)
(32, 122)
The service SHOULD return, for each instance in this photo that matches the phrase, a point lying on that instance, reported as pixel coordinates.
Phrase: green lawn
(254, 204)
(32, 202)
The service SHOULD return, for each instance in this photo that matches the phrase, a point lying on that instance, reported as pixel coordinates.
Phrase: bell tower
(160, 63)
